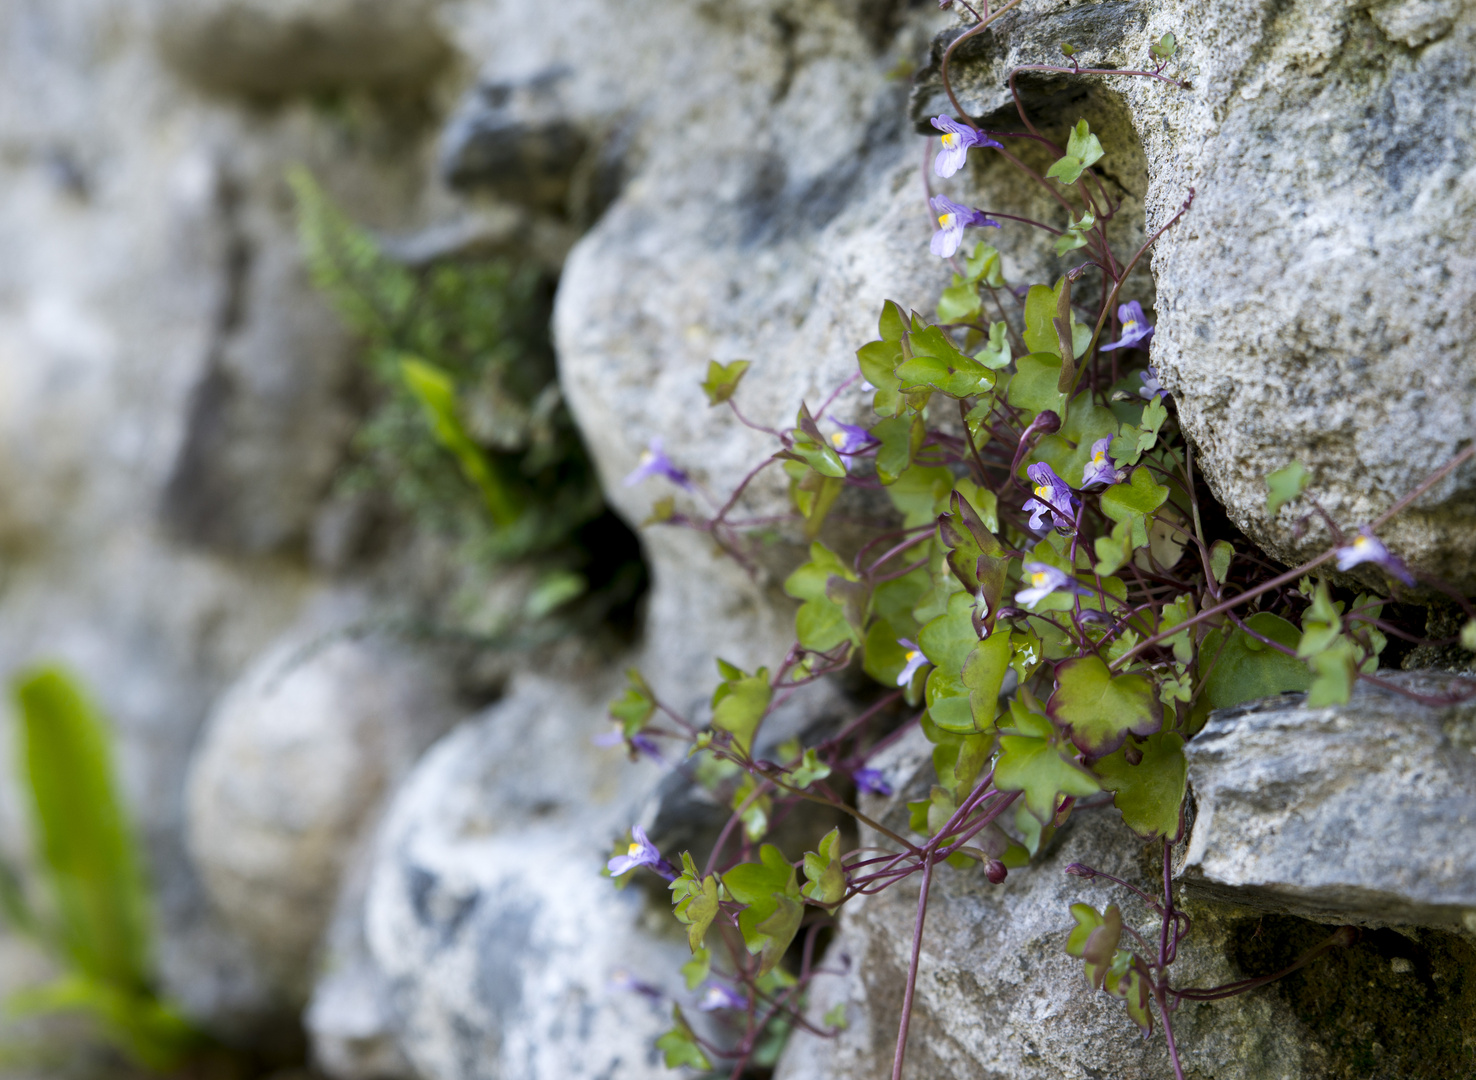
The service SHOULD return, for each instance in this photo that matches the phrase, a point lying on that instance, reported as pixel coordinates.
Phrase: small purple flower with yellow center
(717, 996)
(654, 462)
(873, 781)
(953, 219)
(1136, 329)
(915, 659)
(1044, 580)
(852, 440)
(641, 853)
(1151, 387)
(1101, 469)
(1368, 548)
(1052, 496)
(957, 138)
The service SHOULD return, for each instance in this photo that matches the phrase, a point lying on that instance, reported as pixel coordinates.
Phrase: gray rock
(998, 997)
(517, 140)
(1314, 302)
(127, 205)
(289, 774)
(1364, 812)
(486, 912)
(290, 46)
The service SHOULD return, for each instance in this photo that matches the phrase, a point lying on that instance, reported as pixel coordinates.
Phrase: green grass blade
(82, 839)
(436, 392)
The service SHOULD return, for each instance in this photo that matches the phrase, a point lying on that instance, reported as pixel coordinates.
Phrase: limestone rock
(516, 139)
(279, 47)
(150, 244)
(351, 1025)
(1316, 302)
(504, 949)
(997, 995)
(1361, 812)
(290, 770)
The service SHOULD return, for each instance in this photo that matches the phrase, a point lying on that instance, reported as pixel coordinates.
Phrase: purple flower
(1368, 548)
(718, 996)
(852, 439)
(641, 744)
(957, 138)
(873, 781)
(640, 853)
(1045, 580)
(1151, 388)
(624, 980)
(915, 659)
(1135, 327)
(1101, 469)
(953, 219)
(654, 462)
(1052, 496)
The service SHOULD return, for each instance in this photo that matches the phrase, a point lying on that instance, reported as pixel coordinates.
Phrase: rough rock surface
(291, 768)
(1360, 812)
(172, 398)
(279, 47)
(998, 997)
(1316, 302)
(486, 911)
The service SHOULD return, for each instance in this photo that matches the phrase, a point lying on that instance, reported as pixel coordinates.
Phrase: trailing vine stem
(1078, 692)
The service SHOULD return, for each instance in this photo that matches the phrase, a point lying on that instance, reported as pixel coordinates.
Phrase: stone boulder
(1316, 302)
(998, 996)
(284, 47)
(288, 777)
(1364, 812)
(504, 951)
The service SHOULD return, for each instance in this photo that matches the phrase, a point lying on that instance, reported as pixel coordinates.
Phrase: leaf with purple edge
(1100, 708)
(1031, 760)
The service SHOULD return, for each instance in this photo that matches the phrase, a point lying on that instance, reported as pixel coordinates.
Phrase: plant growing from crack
(1050, 608)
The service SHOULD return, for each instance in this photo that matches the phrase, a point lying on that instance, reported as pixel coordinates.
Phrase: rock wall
(711, 180)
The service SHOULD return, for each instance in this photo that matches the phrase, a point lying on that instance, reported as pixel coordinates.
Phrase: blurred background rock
(210, 508)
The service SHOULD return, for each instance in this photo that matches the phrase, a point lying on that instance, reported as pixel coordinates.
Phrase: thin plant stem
(917, 933)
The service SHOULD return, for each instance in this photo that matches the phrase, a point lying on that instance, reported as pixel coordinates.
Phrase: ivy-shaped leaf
(921, 493)
(1132, 502)
(959, 302)
(984, 265)
(696, 970)
(634, 707)
(996, 354)
(808, 445)
(1083, 149)
(937, 363)
(772, 916)
(1094, 939)
(679, 1045)
(1076, 234)
(1284, 485)
(1100, 708)
(1237, 668)
(1031, 761)
(723, 379)
(695, 902)
(825, 873)
(808, 771)
(740, 702)
(1149, 793)
(1033, 386)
